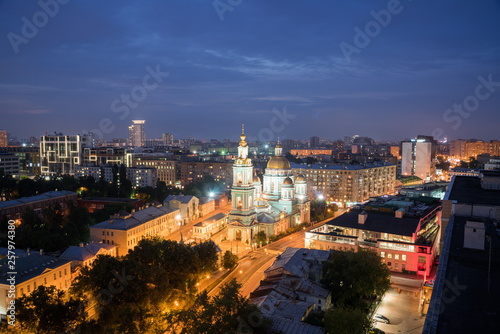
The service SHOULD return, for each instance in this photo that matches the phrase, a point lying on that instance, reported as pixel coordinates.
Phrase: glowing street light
(211, 194)
(321, 197)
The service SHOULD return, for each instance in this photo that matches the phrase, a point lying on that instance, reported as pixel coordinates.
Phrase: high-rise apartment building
(59, 154)
(168, 139)
(418, 157)
(314, 142)
(9, 164)
(3, 138)
(137, 136)
(165, 168)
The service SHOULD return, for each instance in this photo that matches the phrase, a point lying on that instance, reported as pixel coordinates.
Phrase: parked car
(381, 318)
(376, 331)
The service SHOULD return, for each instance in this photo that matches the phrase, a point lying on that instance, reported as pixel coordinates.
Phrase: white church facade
(272, 205)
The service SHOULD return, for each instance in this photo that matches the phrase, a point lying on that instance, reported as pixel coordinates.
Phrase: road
(251, 267)
(402, 311)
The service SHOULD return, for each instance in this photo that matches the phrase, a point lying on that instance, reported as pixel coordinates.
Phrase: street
(402, 311)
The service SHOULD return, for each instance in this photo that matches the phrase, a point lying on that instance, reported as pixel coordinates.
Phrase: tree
(229, 260)
(343, 320)
(228, 312)
(46, 311)
(207, 253)
(261, 237)
(354, 277)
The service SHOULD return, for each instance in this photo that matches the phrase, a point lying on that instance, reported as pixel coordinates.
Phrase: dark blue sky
(262, 55)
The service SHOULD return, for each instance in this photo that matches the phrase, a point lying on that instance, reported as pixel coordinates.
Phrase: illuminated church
(272, 206)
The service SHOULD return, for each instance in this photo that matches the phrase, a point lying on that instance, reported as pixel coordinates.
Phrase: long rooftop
(126, 222)
(37, 198)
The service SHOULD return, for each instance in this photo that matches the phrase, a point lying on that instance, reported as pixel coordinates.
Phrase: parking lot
(402, 311)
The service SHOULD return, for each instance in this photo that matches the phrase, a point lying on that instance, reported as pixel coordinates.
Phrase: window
(396, 265)
(111, 233)
(389, 264)
(22, 291)
(45, 280)
(103, 233)
(28, 288)
(421, 259)
(404, 257)
(382, 254)
(34, 286)
(60, 275)
(55, 277)
(389, 255)
(65, 272)
(396, 256)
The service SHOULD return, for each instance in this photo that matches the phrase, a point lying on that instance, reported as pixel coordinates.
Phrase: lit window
(404, 257)
(396, 256)
(389, 255)
(382, 254)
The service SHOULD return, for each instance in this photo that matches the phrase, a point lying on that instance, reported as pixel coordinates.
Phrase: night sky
(249, 62)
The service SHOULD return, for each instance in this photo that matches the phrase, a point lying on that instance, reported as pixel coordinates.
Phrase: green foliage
(343, 320)
(320, 210)
(109, 210)
(289, 231)
(228, 312)
(261, 237)
(47, 311)
(133, 292)
(229, 260)
(201, 188)
(293, 159)
(354, 277)
(149, 194)
(8, 187)
(52, 231)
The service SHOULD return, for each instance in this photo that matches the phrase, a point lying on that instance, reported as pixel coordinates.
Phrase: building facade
(60, 154)
(418, 157)
(347, 185)
(192, 171)
(165, 168)
(126, 230)
(464, 149)
(3, 139)
(188, 206)
(272, 205)
(138, 176)
(137, 136)
(14, 209)
(9, 164)
(405, 233)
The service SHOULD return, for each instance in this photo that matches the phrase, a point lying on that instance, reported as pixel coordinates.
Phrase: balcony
(367, 243)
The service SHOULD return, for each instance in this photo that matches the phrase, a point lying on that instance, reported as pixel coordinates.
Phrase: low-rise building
(9, 164)
(32, 271)
(14, 209)
(291, 290)
(403, 231)
(188, 206)
(97, 203)
(85, 255)
(208, 227)
(125, 230)
(206, 206)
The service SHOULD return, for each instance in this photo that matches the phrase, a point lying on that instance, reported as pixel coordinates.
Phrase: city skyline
(254, 64)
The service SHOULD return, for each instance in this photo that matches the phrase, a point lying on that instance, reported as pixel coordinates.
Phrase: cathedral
(272, 205)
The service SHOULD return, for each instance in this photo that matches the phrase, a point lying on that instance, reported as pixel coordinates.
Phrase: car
(376, 331)
(381, 318)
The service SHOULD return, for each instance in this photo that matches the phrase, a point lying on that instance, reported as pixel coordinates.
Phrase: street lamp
(211, 194)
(321, 197)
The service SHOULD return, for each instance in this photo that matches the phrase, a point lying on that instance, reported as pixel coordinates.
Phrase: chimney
(400, 213)
(41, 251)
(81, 244)
(362, 217)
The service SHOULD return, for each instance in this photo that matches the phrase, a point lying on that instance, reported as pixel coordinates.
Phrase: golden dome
(256, 179)
(278, 163)
(300, 178)
(243, 143)
(288, 181)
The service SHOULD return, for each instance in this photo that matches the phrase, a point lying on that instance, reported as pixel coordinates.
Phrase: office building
(418, 157)
(137, 136)
(347, 185)
(403, 231)
(192, 171)
(104, 156)
(168, 139)
(165, 168)
(59, 154)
